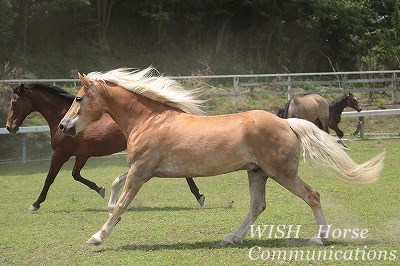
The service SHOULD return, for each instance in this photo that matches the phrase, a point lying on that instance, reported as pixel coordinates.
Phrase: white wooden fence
(289, 84)
(360, 130)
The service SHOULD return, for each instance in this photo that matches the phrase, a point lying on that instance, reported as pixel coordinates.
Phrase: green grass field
(165, 225)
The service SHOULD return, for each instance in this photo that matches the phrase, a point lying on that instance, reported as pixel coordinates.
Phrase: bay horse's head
(20, 107)
(352, 102)
(86, 108)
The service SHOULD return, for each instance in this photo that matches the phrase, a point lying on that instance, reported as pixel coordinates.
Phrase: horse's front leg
(76, 173)
(115, 188)
(134, 181)
(56, 162)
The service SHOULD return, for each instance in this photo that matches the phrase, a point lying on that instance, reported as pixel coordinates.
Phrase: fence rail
(288, 84)
(360, 129)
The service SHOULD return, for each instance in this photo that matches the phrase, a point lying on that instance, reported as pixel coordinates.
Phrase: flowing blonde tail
(324, 150)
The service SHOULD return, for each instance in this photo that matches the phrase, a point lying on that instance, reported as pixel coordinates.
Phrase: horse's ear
(84, 79)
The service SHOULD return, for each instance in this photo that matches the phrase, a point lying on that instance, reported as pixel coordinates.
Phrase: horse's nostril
(61, 126)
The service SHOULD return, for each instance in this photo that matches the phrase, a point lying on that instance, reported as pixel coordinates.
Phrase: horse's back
(309, 107)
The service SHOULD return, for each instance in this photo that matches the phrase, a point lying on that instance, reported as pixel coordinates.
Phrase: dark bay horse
(336, 108)
(163, 141)
(102, 138)
(316, 109)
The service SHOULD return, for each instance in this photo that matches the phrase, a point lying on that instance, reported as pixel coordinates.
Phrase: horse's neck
(51, 108)
(340, 105)
(132, 111)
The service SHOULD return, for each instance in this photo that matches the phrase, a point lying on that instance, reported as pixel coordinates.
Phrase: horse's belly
(203, 162)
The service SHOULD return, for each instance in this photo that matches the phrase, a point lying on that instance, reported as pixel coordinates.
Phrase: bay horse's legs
(322, 123)
(299, 188)
(257, 181)
(57, 162)
(120, 181)
(195, 191)
(337, 130)
(76, 173)
(134, 181)
(339, 133)
(115, 188)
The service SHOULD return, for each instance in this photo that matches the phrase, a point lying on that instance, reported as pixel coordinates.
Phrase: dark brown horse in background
(336, 108)
(315, 108)
(103, 138)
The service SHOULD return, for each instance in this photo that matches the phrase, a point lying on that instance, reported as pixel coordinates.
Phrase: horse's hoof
(231, 240)
(102, 192)
(224, 243)
(201, 200)
(315, 241)
(95, 240)
(33, 208)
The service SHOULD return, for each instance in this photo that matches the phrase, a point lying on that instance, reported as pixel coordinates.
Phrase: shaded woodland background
(49, 38)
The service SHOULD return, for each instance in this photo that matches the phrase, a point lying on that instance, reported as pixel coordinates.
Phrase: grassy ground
(165, 225)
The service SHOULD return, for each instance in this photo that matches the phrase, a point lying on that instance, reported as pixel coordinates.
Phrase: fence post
(236, 91)
(344, 82)
(289, 88)
(394, 87)
(23, 147)
(360, 127)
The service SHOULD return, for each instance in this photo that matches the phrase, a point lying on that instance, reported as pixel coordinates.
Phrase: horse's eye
(13, 102)
(78, 99)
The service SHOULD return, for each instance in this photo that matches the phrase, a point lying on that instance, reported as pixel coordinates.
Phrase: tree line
(49, 38)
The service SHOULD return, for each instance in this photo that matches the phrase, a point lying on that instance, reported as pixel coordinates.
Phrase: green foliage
(49, 38)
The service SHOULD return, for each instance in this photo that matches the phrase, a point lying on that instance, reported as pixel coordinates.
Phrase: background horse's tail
(324, 150)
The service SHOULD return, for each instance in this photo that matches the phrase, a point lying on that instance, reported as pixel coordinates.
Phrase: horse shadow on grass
(165, 208)
(247, 244)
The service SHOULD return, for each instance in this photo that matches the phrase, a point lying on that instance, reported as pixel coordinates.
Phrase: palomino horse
(163, 141)
(102, 138)
(312, 107)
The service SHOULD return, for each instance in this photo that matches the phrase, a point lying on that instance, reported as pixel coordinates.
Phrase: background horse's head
(20, 107)
(352, 102)
(85, 109)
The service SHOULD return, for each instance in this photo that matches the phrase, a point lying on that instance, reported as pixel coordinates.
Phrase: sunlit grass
(165, 225)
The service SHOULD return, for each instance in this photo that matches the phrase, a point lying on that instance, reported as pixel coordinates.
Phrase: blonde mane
(158, 88)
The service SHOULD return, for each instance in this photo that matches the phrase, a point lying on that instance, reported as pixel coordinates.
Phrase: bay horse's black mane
(339, 99)
(49, 89)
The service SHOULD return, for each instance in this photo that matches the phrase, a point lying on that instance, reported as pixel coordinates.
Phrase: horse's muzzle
(67, 129)
(12, 129)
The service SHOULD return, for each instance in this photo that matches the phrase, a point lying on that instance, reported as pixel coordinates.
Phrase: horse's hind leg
(195, 191)
(76, 173)
(312, 198)
(322, 123)
(257, 180)
(115, 188)
(56, 162)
